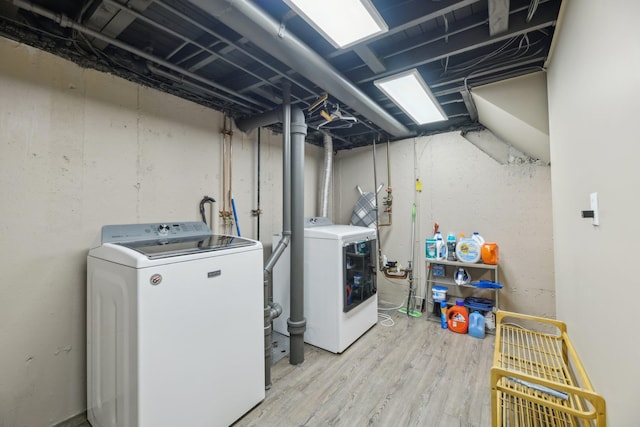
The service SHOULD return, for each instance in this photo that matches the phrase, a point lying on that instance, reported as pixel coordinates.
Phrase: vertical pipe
(293, 224)
(258, 213)
(389, 179)
(326, 178)
(296, 323)
(286, 158)
(375, 185)
(230, 132)
(224, 171)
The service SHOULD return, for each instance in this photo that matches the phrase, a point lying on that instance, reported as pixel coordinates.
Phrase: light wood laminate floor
(411, 374)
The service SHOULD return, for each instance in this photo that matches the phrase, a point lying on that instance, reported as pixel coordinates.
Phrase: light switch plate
(594, 207)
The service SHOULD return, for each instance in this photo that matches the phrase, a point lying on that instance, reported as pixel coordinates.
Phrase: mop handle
(413, 232)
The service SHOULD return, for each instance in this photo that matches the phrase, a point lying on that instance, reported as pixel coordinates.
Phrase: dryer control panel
(317, 221)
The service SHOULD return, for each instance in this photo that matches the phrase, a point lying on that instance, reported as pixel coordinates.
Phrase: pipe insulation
(326, 177)
(251, 22)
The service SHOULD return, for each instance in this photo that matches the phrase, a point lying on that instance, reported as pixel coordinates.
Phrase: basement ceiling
(237, 56)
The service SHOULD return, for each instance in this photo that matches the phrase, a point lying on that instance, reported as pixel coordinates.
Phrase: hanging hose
(205, 199)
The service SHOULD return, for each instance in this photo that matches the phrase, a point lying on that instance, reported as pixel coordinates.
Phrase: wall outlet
(594, 207)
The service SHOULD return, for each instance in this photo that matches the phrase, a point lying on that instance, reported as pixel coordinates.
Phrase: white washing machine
(174, 327)
(340, 293)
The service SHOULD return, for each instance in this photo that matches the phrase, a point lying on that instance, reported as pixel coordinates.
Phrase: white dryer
(340, 292)
(174, 327)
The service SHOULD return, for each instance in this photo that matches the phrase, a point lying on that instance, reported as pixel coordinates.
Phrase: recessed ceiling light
(409, 91)
(342, 22)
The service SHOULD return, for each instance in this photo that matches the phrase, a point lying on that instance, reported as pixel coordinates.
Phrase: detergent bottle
(443, 314)
(476, 325)
(478, 238)
(468, 250)
(451, 247)
(441, 247)
(458, 318)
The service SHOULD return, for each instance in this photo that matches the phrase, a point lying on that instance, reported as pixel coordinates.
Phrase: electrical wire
(35, 29)
(395, 306)
(476, 61)
(386, 321)
(76, 37)
(497, 56)
(533, 6)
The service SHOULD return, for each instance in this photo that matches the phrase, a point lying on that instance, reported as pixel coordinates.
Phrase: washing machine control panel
(150, 232)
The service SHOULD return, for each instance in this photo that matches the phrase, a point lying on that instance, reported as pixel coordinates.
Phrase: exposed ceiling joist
(373, 62)
(111, 20)
(240, 69)
(399, 17)
(460, 43)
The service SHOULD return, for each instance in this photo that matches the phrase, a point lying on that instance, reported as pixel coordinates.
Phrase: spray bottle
(443, 315)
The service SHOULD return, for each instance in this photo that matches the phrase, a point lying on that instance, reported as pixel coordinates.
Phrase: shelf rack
(537, 378)
(476, 270)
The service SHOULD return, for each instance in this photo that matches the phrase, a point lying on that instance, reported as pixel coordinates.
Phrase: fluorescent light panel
(341, 22)
(409, 91)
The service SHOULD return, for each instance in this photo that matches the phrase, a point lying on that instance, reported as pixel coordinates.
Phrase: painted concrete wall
(80, 149)
(464, 190)
(593, 98)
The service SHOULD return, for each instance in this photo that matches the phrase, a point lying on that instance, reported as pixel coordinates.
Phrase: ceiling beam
(112, 21)
(370, 59)
(400, 17)
(498, 16)
(385, 51)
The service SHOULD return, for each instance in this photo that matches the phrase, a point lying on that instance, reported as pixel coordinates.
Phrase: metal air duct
(326, 175)
(253, 23)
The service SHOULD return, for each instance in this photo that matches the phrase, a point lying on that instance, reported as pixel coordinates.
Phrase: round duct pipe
(253, 23)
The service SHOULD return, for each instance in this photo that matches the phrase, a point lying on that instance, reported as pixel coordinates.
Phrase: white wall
(516, 110)
(80, 149)
(464, 190)
(593, 106)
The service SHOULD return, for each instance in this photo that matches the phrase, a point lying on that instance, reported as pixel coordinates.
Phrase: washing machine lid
(164, 248)
(163, 240)
(340, 232)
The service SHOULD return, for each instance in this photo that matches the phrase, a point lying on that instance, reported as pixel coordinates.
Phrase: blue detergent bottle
(476, 325)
